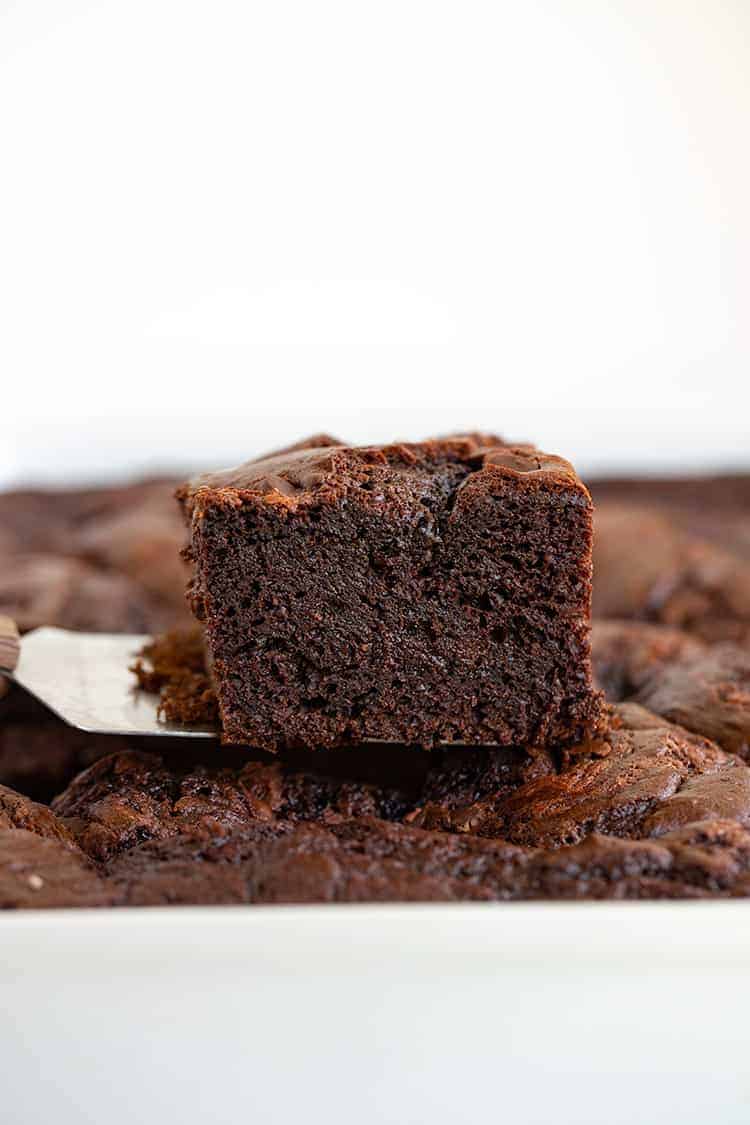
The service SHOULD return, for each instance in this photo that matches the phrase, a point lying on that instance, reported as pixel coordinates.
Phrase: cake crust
(650, 810)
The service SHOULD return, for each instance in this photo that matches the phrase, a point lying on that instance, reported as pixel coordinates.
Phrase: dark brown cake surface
(709, 693)
(411, 593)
(705, 688)
(617, 784)
(104, 560)
(650, 811)
(41, 871)
(714, 509)
(628, 654)
(650, 566)
(17, 811)
(655, 809)
(134, 796)
(376, 861)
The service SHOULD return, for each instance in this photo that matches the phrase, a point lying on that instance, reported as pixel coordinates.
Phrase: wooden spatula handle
(10, 644)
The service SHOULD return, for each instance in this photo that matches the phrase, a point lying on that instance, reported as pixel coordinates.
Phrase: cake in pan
(657, 805)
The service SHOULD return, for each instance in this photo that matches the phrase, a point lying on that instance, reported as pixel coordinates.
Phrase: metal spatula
(85, 679)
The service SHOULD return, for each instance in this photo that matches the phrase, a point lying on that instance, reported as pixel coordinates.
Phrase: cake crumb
(174, 665)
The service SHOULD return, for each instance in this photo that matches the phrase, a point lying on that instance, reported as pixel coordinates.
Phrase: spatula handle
(10, 644)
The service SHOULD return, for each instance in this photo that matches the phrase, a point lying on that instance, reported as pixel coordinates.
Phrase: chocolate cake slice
(419, 593)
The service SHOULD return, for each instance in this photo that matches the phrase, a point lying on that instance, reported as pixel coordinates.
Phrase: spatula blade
(85, 679)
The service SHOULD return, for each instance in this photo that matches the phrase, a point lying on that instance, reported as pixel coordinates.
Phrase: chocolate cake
(712, 509)
(375, 861)
(175, 666)
(655, 806)
(649, 811)
(39, 872)
(649, 568)
(621, 784)
(709, 694)
(628, 654)
(100, 560)
(411, 593)
(706, 688)
(131, 797)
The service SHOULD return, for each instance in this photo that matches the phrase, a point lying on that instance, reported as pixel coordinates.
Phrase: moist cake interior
(657, 808)
(416, 594)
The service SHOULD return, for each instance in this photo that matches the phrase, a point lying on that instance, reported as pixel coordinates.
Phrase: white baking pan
(581, 1013)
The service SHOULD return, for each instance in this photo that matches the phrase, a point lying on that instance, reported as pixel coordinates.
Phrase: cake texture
(650, 568)
(100, 560)
(649, 811)
(627, 655)
(128, 798)
(38, 872)
(657, 806)
(704, 688)
(418, 593)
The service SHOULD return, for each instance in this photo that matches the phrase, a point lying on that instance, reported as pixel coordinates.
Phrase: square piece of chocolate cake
(420, 593)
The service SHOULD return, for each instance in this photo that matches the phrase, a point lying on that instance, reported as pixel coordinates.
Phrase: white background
(225, 225)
